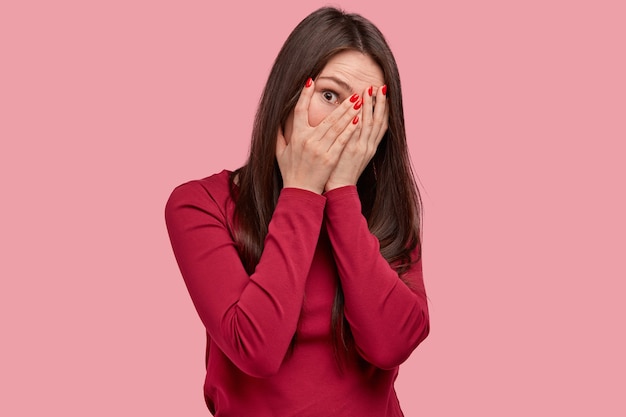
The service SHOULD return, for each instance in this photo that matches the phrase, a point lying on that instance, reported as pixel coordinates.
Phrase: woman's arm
(252, 318)
(387, 318)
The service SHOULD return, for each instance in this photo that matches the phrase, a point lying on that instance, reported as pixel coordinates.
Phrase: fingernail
(385, 90)
(358, 104)
(355, 120)
(370, 90)
(354, 98)
(309, 82)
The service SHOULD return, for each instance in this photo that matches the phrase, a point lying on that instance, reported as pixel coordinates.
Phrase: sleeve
(252, 318)
(388, 318)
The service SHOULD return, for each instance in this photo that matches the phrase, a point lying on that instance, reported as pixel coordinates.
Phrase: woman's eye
(330, 96)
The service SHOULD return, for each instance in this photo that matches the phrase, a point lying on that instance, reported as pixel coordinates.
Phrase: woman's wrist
(338, 189)
(332, 185)
(313, 189)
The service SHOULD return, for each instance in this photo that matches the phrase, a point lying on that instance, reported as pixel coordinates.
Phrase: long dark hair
(389, 196)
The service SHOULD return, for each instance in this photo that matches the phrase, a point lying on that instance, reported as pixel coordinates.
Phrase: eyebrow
(341, 83)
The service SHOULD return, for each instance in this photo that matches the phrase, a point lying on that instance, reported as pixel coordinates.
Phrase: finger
(381, 116)
(385, 125)
(367, 113)
(357, 132)
(350, 132)
(301, 111)
(341, 118)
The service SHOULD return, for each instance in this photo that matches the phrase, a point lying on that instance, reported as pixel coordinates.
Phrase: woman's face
(346, 73)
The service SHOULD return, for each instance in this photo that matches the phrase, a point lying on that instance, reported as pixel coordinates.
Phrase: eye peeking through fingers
(330, 96)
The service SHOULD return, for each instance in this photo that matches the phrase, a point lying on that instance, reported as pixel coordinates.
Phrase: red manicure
(354, 98)
(355, 120)
(358, 104)
(309, 82)
(370, 90)
(385, 90)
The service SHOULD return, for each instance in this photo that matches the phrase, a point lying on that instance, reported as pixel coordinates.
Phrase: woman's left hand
(363, 143)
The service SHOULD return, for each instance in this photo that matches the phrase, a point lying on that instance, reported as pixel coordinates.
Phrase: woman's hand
(311, 153)
(362, 146)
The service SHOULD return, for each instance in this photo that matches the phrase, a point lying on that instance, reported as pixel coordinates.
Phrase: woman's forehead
(353, 69)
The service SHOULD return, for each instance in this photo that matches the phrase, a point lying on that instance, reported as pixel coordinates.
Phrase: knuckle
(317, 152)
(329, 120)
(300, 108)
(336, 129)
(326, 160)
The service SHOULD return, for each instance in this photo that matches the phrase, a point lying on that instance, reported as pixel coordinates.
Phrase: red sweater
(314, 241)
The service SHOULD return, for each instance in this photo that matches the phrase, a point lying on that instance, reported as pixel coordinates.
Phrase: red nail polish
(308, 82)
(354, 98)
(385, 90)
(370, 90)
(358, 104)
(355, 120)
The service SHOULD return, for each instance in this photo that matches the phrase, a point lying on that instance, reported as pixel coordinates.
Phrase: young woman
(305, 264)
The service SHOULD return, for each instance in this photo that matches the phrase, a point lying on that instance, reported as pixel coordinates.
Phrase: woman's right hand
(308, 158)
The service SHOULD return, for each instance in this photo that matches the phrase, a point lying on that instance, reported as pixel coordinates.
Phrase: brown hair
(389, 196)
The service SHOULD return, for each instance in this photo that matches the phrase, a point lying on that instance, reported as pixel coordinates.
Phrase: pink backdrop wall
(516, 118)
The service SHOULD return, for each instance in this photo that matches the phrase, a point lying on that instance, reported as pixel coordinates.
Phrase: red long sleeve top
(314, 241)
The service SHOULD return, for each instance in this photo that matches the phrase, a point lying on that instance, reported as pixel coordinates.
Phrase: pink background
(516, 114)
